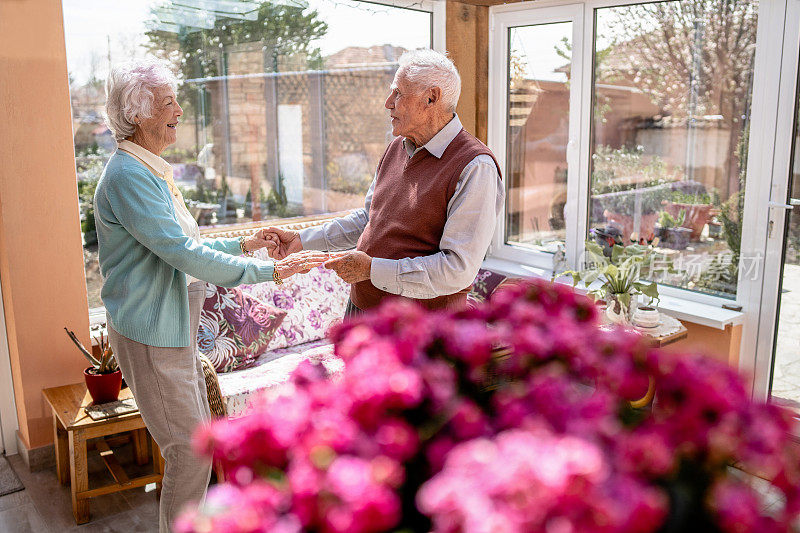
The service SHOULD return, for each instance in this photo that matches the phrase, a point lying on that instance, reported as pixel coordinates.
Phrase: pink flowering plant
(411, 438)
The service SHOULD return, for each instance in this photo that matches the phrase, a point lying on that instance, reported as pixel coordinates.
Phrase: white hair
(427, 68)
(129, 93)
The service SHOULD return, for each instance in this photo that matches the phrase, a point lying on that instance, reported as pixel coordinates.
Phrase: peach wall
(41, 263)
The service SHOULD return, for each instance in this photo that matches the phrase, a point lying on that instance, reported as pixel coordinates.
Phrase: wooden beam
(114, 487)
(111, 462)
(468, 45)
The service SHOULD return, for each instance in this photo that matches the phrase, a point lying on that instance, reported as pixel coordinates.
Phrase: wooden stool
(74, 429)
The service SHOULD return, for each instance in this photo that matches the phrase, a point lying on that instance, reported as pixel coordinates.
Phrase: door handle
(793, 202)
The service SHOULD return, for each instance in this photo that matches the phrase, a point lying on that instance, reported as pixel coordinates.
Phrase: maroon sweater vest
(409, 210)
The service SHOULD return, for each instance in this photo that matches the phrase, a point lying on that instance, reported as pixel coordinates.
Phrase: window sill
(686, 310)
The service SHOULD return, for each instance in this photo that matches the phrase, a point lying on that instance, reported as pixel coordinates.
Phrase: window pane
(785, 383)
(283, 101)
(672, 90)
(537, 135)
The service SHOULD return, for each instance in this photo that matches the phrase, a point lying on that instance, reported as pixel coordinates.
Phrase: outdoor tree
(282, 35)
(693, 58)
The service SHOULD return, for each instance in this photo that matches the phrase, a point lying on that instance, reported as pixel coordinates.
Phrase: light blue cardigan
(144, 253)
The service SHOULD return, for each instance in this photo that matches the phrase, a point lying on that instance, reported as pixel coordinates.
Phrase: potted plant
(670, 232)
(623, 178)
(696, 209)
(618, 269)
(103, 378)
(714, 225)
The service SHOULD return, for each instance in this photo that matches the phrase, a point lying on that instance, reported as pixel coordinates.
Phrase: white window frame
(770, 20)
(438, 10)
(503, 19)
(758, 353)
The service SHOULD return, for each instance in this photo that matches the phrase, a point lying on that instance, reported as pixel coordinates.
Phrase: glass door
(537, 132)
(778, 356)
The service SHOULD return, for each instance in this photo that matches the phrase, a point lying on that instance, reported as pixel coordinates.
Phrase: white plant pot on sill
(646, 317)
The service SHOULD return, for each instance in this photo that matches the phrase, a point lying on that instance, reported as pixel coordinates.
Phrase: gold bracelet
(276, 276)
(241, 246)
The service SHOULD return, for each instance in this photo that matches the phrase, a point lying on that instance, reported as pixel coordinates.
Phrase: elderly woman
(154, 266)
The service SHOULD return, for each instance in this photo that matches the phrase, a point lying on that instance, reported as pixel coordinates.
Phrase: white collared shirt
(471, 216)
(163, 170)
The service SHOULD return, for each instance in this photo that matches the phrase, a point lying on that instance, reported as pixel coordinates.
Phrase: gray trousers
(170, 391)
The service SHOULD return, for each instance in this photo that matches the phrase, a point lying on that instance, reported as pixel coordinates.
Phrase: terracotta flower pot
(625, 224)
(695, 216)
(103, 388)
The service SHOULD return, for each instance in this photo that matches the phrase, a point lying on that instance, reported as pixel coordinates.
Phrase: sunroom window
(630, 122)
(670, 120)
(283, 101)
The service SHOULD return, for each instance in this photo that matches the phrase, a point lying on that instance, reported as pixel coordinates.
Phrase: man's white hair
(427, 68)
(129, 93)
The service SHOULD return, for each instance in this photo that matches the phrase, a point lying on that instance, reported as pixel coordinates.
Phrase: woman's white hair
(129, 93)
(427, 68)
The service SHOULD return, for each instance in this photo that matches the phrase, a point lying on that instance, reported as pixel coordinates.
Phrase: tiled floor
(45, 506)
(786, 382)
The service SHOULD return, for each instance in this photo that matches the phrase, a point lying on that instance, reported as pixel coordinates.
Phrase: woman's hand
(261, 239)
(300, 262)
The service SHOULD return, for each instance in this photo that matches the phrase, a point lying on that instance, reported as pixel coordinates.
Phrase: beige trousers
(170, 391)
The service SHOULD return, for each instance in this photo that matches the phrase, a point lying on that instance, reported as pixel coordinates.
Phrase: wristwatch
(276, 276)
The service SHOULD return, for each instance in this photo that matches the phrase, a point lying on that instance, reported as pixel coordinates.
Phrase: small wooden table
(74, 429)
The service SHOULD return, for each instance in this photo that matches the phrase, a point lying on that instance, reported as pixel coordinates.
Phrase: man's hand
(300, 262)
(352, 267)
(285, 242)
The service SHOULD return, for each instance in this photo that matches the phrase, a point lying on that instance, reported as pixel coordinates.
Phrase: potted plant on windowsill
(619, 270)
(696, 209)
(103, 378)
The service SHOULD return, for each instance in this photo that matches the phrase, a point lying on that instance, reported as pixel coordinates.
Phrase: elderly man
(430, 212)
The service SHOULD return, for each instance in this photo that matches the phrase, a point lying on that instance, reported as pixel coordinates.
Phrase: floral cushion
(235, 328)
(485, 283)
(313, 302)
(271, 372)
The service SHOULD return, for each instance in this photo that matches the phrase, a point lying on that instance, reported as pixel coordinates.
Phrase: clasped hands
(285, 247)
(290, 264)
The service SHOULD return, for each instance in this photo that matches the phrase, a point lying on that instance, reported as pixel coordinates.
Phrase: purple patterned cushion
(235, 328)
(313, 302)
(485, 283)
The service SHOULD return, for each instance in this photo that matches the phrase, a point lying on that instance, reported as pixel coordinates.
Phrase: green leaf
(590, 278)
(650, 290)
(617, 252)
(594, 248)
(624, 298)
